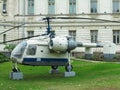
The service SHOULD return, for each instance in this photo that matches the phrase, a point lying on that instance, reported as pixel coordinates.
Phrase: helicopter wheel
(68, 68)
(54, 67)
(54, 70)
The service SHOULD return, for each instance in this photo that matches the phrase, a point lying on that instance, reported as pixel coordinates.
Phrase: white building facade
(31, 12)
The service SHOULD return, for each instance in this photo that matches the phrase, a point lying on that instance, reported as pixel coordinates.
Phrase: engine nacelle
(58, 44)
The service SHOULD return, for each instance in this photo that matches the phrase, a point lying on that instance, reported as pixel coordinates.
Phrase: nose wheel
(15, 67)
(15, 74)
(16, 70)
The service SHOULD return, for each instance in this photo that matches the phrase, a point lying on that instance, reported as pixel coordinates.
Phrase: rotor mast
(48, 27)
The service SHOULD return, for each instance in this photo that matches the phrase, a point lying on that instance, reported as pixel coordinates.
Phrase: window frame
(4, 37)
(72, 34)
(30, 33)
(116, 36)
(115, 8)
(94, 36)
(72, 6)
(31, 7)
(51, 6)
(93, 6)
(4, 7)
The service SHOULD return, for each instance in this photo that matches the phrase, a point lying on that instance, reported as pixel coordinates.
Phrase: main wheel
(68, 68)
(54, 67)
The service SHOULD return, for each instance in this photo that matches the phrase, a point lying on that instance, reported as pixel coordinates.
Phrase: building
(31, 12)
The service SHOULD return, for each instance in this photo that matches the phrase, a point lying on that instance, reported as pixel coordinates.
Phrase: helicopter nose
(19, 50)
(13, 56)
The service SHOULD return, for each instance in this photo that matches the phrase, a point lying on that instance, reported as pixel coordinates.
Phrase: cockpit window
(31, 50)
(19, 49)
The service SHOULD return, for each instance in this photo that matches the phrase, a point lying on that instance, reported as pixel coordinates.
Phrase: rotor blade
(49, 18)
(20, 39)
(11, 28)
(104, 20)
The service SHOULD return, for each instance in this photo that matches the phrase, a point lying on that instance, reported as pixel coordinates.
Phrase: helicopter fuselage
(36, 52)
(41, 55)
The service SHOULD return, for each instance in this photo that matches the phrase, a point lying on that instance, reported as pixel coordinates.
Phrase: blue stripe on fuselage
(45, 60)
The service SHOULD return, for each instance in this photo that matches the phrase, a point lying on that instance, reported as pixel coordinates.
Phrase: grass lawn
(89, 76)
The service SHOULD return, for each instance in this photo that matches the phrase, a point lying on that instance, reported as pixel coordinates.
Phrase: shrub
(3, 57)
(9, 47)
(97, 56)
(117, 57)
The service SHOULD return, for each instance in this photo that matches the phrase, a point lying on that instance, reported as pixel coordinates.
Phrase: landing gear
(15, 74)
(69, 72)
(54, 69)
(68, 68)
(15, 68)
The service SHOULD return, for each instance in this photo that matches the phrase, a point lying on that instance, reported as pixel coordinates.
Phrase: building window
(4, 10)
(72, 6)
(93, 6)
(4, 38)
(94, 36)
(30, 7)
(116, 36)
(72, 34)
(51, 6)
(30, 33)
(116, 6)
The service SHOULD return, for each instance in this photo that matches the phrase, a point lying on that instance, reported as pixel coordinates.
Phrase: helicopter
(48, 49)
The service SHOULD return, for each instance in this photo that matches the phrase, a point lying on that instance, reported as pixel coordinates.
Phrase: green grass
(89, 76)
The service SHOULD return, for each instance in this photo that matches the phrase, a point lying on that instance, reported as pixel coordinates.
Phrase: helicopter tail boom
(80, 44)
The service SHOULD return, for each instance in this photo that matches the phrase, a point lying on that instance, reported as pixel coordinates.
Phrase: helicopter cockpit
(19, 50)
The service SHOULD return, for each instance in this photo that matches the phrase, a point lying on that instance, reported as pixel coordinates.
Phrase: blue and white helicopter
(48, 50)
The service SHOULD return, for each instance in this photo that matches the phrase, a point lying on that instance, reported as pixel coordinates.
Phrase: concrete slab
(69, 74)
(16, 75)
(54, 71)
